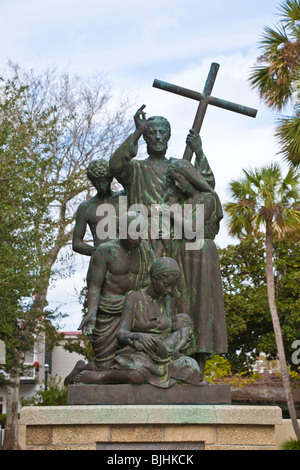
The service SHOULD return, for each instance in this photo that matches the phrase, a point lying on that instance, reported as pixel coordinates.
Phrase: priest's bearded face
(157, 137)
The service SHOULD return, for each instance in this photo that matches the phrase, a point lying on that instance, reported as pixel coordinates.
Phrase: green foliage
(25, 220)
(277, 76)
(288, 133)
(2, 420)
(280, 58)
(292, 444)
(82, 344)
(217, 367)
(51, 127)
(55, 395)
(249, 324)
(246, 301)
(265, 198)
(264, 202)
(287, 282)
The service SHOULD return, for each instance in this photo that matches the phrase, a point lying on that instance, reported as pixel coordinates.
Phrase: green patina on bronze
(155, 309)
(154, 341)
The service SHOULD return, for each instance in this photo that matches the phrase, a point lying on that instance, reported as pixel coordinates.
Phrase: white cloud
(230, 141)
(126, 34)
(136, 42)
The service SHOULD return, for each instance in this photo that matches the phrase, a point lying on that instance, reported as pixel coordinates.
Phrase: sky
(135, 42)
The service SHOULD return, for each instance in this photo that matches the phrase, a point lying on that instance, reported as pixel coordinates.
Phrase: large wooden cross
(205, 99)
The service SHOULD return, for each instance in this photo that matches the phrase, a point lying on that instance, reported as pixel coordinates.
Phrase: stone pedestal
(150, 427)
(148, 395)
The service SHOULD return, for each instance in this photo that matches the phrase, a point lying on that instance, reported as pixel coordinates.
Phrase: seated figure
(150, 352)
(109, 282)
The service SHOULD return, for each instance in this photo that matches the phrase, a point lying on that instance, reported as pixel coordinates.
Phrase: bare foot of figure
(79, 366)
(88, 377)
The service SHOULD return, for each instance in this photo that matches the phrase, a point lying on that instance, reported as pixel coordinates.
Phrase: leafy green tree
(87, 128)
(265, 201)
(246, 301)
(277, 79)
(24, 140)
(51, 127)
(217, 367)
(82, 344)
(55, 395)
(287, 285)
(249, 325)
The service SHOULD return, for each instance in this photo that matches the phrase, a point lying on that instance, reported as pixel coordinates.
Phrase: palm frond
(264, 197)
(288, 134)
(242, 189)
(272, 40)
(280, 58)
(289, 11)
(273, 84)
(239, 218)
(286, 223)
(289, 189)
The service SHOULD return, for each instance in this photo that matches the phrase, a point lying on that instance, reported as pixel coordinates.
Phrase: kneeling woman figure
(147, 337)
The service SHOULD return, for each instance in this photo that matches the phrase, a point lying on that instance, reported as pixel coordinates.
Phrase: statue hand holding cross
(195, 142)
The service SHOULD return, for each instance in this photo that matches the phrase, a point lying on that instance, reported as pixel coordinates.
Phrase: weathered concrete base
(211, 427)
(147, 395)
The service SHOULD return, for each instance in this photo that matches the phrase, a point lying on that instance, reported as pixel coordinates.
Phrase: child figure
(180, 342)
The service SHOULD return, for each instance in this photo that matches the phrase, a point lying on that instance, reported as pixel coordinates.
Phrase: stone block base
(147, 395)
(150, 427)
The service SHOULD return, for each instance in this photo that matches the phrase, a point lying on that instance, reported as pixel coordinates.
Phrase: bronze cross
(205, 99)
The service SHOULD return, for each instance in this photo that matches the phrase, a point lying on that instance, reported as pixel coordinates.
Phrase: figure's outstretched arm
(78, 244)
(201, 163)
(119, 161)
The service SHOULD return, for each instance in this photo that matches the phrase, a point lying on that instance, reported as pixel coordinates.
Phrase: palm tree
(266, 201)
(277, 80)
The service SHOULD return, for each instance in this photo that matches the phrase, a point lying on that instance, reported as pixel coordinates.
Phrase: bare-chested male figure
(117, 267)
(100, 175)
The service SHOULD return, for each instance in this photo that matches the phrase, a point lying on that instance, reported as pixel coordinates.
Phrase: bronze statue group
(155, 305)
